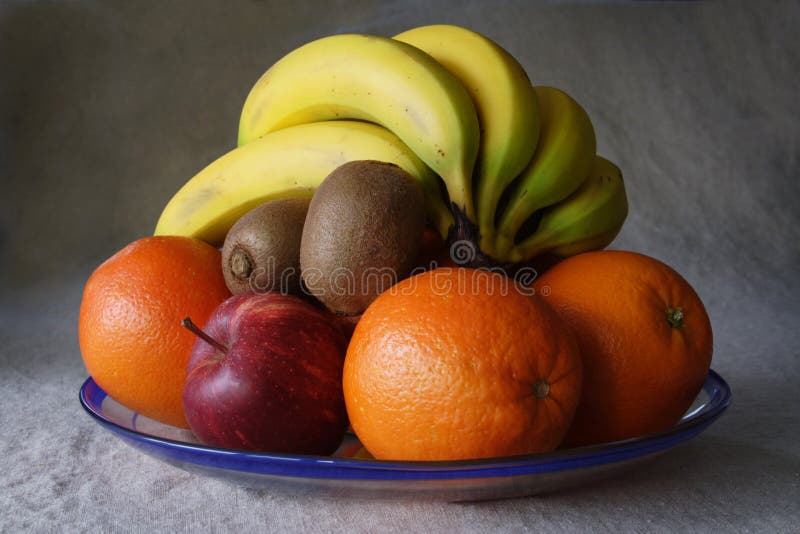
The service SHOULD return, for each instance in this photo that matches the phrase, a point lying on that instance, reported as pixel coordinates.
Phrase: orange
(130, 330)
(645, 341)
(456, 364)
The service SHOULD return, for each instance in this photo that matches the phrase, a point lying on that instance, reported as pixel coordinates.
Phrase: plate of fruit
(396, 284)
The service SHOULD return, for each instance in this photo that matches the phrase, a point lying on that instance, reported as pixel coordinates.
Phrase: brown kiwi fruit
(262, 249)
(362, 234)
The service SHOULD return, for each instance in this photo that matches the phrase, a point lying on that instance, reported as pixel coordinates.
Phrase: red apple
(266, 375)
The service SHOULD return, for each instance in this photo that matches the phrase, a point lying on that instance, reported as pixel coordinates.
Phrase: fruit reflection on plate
(342, 474)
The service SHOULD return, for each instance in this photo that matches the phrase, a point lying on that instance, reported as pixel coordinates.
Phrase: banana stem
(503, 245)
(487, 241)
(464, 231)
(461, 199)
(444, 221)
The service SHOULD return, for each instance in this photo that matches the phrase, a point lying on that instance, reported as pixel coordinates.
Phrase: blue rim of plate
(327, 467)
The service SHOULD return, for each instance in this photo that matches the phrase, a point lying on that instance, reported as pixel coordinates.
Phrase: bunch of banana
(517, 163)
(288, 163)
(562, 161)
(507, 107)
(379, 80)
(588, 219)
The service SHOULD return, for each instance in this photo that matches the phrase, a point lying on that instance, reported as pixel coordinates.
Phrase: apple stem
(193, 328)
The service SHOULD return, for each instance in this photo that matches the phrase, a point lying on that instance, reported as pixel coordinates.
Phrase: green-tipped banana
(378, 80)
(288, 163)
(589, 219)
(562, 160)
(504, 99)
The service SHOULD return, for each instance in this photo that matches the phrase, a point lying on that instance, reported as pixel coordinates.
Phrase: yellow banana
(589, 219)
(289, 163)
(378, 80)
(562, 160)
(504, 100)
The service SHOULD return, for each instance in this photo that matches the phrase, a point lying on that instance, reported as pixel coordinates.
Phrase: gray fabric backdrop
(107, 108)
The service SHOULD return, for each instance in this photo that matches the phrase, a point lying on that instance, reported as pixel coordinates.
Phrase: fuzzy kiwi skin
(263, 246)
(362, 234)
